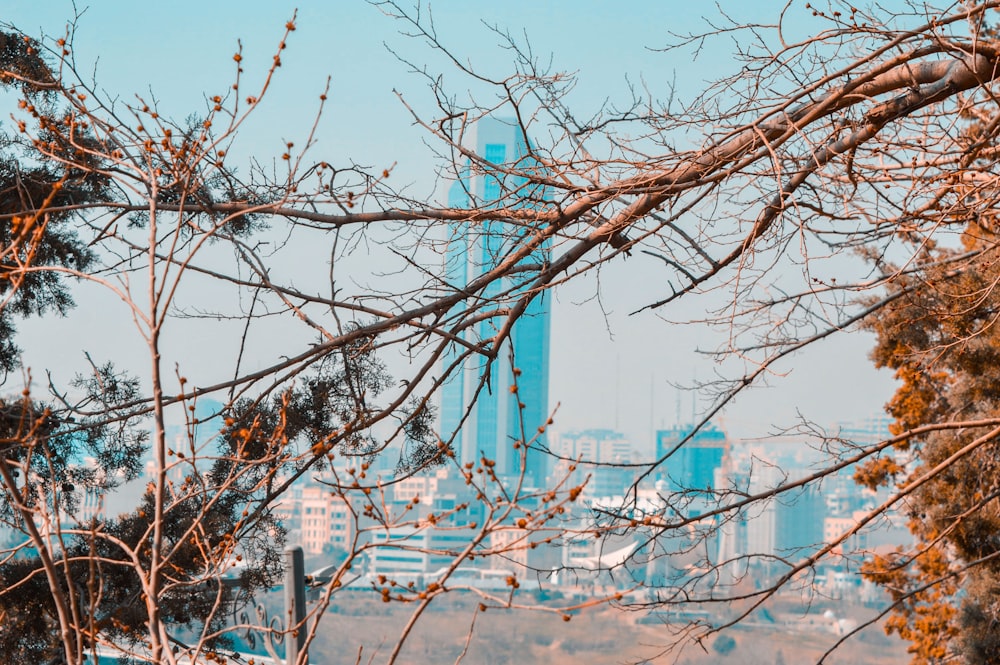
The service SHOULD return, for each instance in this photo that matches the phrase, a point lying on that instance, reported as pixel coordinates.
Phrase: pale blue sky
(182, 52)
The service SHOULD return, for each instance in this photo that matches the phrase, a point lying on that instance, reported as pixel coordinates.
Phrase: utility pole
(295, 604)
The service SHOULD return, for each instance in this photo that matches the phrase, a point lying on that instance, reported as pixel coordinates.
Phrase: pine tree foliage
(939, 337)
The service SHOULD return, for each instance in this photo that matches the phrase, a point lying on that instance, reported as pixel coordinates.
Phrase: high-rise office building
(499, 417)
(690, 468)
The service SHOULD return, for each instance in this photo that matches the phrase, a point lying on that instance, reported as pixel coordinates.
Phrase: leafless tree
(872, 137)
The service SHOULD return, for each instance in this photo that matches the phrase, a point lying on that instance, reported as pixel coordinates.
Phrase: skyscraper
(690, 469)
(500, 416)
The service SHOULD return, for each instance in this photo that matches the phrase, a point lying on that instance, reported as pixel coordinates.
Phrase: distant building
(868, 431)
(317, 519)
(314, 512)
(690, 468)
(601, 454)
(887, 531)
(423, 487)
(415, 550)
(789, 525)
(441, 492)
(500, 415)
(517, 555)
(762, 516)
(799, 521)
(835, 528)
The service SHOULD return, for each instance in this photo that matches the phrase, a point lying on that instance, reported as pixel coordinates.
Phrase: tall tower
(500, 417)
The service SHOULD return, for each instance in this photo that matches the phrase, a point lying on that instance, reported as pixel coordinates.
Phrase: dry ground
(362, 629)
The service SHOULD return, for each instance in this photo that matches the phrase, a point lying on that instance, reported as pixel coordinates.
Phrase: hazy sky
(608, 369)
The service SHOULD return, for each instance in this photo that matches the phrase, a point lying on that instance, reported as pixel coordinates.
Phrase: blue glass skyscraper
(497, 419)
(691, 468)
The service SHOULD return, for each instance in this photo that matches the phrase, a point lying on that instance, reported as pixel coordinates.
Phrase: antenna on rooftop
(694, 399)
(677, 416)
(618, 376)
(652, 404)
